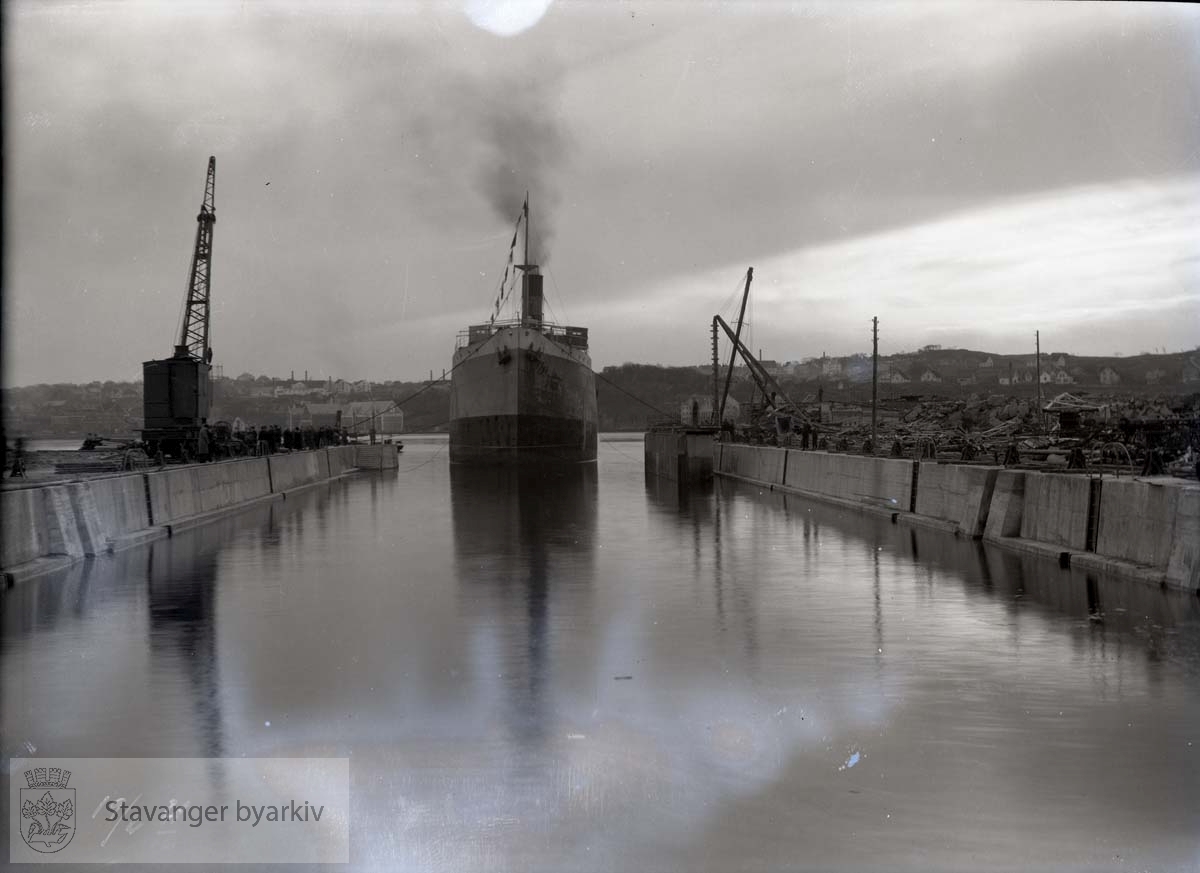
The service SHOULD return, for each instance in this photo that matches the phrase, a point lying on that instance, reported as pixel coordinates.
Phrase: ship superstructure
(522, 388)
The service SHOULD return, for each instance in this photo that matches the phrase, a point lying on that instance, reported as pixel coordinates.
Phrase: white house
(1109, 376)
(930, 375)
(831, 367)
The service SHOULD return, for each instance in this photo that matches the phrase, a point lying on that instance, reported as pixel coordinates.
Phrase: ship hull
(520, 396)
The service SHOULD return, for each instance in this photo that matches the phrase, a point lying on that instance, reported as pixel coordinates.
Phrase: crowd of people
(266, 440)
(269, 439)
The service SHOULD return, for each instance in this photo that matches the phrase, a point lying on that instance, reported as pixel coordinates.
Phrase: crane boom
(765, 381)
(193, 338)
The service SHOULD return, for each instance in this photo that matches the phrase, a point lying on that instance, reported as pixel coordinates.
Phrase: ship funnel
(531, 297)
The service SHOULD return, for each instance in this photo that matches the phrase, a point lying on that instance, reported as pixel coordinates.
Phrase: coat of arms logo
(49, 806)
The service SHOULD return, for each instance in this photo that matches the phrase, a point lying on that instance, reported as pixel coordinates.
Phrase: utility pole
(1037, 338)
(874, 380)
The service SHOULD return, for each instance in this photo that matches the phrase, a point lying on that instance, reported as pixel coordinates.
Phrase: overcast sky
(970, 173)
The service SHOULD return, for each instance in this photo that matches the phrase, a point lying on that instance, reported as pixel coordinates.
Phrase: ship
(522, 388)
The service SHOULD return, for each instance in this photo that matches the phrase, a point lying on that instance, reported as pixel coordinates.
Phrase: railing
(575, 337)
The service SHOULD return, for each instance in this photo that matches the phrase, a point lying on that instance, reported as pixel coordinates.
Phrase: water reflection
(182, 604)
(523, 537)
(459, 634)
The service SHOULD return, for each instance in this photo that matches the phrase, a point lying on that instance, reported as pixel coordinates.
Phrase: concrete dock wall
(22, 522)
(201, 489)
(289, 472)
(1183, 566)
(1055, 509)
(664, 452)
(1144, 529)
(1007, 506)
(340, 459)
(112, 513)
(881, 482)
(1138, 521)
(48, 527)
(956, 493)
(381, 456)
(758, 463)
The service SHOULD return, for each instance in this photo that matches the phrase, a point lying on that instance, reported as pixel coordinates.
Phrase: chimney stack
(531, 297)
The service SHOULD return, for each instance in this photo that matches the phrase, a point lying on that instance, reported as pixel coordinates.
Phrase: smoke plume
(526, 148)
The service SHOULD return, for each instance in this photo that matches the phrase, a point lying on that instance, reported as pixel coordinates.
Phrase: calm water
(558, 672)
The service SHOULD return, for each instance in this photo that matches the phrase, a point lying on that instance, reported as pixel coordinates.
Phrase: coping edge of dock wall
(1062, 555)
(45, 565)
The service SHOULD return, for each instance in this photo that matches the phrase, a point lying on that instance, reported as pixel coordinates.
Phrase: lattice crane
(193, 337)
(176, 395)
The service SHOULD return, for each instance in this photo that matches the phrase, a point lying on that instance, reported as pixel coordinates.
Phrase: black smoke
(525, 149)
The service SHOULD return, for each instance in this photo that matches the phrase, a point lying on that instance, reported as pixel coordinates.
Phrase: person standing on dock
(18, 465)
(202, 441)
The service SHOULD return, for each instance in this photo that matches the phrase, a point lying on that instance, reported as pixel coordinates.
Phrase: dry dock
(1143, 528)
(47, 527)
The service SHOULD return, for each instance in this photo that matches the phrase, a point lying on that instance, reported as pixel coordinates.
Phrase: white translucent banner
(179, 810)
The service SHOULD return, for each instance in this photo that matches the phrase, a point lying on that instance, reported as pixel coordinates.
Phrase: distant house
(1062, 377)
(930, 375)
(1060, 362)
(987, 362)
(1109, 376)
(897, 377)
(300, 389)
(1047, 377)
(831, 367)
(858, 370)
(1155, 376)
(807, 371)
(358, 417)
(1004, 380)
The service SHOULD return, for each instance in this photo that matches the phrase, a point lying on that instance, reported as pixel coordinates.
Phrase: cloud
(1095, 269)
(658, 143)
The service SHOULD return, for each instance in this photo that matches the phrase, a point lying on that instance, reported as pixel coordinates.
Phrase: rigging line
(730, 303)
(558, 294)
(428, 460)
(396, 404)
(613, 443)
(634, 396)
(501, 293)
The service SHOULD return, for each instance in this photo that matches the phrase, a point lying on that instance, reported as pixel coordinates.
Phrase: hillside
(631, 396)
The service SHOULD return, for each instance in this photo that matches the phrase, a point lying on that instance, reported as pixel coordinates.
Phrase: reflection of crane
(176, 396)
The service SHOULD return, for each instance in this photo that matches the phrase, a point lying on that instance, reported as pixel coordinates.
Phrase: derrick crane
(176, 395)
(772, 391)
(194, 334)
